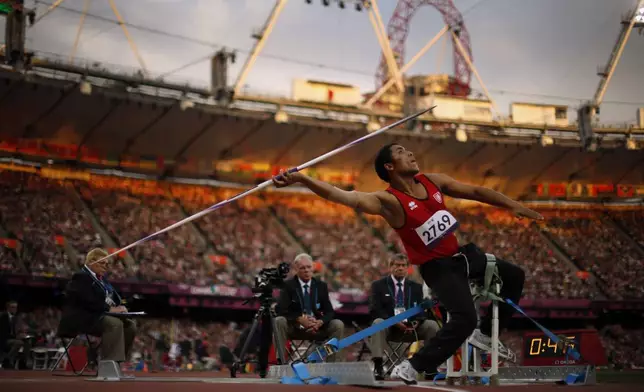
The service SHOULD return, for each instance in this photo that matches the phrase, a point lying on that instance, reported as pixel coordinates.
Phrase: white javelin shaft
(266, 183)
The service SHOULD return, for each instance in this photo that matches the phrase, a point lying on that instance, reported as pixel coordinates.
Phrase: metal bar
(194, 138)
(130, 141)
(280, 155)
(629, 170)
(227, 152)
(590, 164)
(441, 57)
(616, 55)
(379, 37)
(80, 29)
(266, 31)
(475, 72)
(469, 156)
(94, 127)
(51, 8)
(495, 332)
(135, 50)
(379, 29)
(411, 62)
(31, 127)
(549, 165)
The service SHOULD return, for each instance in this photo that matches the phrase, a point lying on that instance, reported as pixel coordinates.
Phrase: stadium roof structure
(121, 123)
(121, 115)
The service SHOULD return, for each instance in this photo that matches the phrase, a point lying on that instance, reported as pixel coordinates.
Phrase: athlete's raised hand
(523, 212)
(285, 179)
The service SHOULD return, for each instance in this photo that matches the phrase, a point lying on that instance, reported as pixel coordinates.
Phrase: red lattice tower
(398, 29)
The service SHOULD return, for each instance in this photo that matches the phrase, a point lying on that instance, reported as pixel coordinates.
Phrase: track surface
(39, 381)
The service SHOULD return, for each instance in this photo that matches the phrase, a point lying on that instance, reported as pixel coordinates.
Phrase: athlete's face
(403, 161)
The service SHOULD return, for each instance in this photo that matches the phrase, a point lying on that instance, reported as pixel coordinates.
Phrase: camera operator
(304, 309)
(390, 296)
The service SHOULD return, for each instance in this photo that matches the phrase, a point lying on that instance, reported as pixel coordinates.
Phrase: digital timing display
(542, 346)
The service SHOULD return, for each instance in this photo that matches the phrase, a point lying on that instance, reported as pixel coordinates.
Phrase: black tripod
(266, 315)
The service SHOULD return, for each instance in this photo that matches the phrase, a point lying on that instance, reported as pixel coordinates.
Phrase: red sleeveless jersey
(428, 232)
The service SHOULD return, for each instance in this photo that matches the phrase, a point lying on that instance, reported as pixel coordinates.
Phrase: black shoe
(378, 371)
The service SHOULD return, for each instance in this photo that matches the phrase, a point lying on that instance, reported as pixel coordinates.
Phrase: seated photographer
(304, 308)
(88, 298)
(390, 296)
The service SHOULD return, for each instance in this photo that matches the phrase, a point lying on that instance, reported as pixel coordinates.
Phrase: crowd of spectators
(184, 344)
(631, 222)
(335, 236)
(623, 347)
(53, 223)
(596, 245)
(519, 241)
(178, 255)
(162, 344)
(246, 230)
(41, 214)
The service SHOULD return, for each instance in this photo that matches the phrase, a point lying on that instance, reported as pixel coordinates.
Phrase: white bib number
(434, 228)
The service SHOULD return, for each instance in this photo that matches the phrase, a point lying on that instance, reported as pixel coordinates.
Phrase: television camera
(268, 278)
(265, 281)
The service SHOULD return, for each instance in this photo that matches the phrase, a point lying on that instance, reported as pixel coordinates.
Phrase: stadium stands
(246, 231)
(499, 233)
(597, 246)
(336, 237)
(49, 220)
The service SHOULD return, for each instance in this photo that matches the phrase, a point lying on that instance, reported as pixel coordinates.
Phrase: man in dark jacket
(10, 343)
(305, 310)
(392, 295)
(88, 298)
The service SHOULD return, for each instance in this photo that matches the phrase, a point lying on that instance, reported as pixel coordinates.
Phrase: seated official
(11, 340)
(390, 296)
(304, 308)
(88, 298)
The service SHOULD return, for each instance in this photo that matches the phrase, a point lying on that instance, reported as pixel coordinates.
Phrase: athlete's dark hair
(384, 157)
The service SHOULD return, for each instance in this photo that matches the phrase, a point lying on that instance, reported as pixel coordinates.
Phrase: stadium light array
(281, 117)
(359, 5)
(461, 135)
(85, 87)
(546, 140)
(373, 126)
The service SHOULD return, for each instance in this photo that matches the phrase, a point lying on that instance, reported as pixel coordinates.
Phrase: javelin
(265, 183)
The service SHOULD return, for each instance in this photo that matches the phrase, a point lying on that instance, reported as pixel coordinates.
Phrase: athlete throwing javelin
(413, 205)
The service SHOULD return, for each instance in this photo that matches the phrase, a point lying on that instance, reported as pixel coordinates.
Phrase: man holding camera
(390, 296)
(305, 310)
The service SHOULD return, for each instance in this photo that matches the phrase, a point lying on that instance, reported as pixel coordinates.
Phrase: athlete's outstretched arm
(368, 203)
(451, 187)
